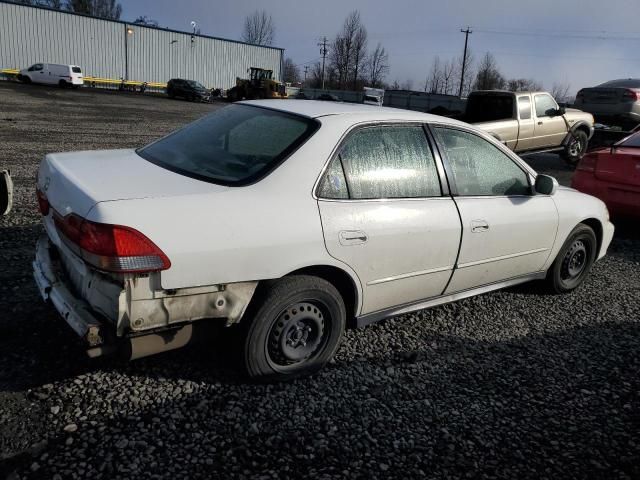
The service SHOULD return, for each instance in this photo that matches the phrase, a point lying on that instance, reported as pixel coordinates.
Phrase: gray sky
(581, 42)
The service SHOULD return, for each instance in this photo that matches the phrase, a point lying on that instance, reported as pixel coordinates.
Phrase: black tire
(574, 260)
(171, 95)
(26, 79)
(63, 84)
(292, 328)
(576, 147)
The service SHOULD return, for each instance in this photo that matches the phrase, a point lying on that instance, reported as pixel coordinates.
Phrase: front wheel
(576, 148)
(574, 260)
(294, 328)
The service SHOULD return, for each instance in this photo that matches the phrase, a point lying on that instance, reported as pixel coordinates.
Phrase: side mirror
(545, 185)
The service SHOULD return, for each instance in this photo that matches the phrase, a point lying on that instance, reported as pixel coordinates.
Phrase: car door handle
(540, 123)
(352, 237)
(479, 226)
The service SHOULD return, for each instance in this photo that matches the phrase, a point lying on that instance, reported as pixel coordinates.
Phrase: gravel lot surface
(513, 384)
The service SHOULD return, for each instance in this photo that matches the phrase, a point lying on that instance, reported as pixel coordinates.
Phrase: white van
(52, 74)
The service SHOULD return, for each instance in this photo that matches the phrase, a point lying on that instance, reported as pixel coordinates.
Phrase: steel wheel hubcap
(575, 260)
(576, 148)
(296, 334)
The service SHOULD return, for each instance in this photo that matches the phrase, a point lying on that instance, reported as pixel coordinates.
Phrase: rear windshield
(76, 70)
(627, 83)
(235, 145)
(487, 108)
(632, 141)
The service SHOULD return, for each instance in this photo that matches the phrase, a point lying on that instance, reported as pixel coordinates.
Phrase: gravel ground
(512, 384)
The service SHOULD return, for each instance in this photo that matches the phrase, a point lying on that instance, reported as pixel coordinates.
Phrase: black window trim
(501, 148)
(312, 127)
(336, 153)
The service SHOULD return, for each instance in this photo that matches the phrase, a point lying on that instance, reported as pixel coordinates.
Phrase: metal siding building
(110, 49)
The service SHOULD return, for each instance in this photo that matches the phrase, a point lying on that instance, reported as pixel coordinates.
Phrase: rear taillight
(43, 203)
(631, 95)
(113, 248)
(588, 163)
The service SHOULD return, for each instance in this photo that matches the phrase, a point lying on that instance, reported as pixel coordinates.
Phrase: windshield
(631, 141)
(235, 145)
(194, 84)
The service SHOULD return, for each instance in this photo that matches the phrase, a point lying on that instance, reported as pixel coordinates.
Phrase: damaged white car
(291, 220)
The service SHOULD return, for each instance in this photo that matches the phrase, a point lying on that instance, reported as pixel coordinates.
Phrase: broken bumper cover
(76, 312)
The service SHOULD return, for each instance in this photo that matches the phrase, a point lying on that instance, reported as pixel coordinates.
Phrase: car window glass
(479, 167)
(233, 145)
(544, 103)
(36, 68)
(524, 105)
(389, 162)
(76, 70)
(333, 184)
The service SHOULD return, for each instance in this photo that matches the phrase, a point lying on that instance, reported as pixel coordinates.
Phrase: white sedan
(289, 220)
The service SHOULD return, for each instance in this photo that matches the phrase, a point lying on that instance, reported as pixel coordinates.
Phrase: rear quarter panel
(256, 232)
(505, 130)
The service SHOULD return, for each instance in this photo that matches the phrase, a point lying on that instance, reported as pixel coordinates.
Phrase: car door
(385, 214)
(507, 231)
(549, 129)
(37, 73)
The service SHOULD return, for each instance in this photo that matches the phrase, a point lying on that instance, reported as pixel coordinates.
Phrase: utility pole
(306, 69)
(464, 58)
(323, 52)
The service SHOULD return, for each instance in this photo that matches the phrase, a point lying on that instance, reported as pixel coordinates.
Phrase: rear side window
(544, 105)
(524, 106)
(76, 70)
(479, 168)
(389, 162)
(334, 184)
(236, 145)
(489, 107)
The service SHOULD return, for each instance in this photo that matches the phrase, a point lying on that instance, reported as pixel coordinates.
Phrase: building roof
(318, 108)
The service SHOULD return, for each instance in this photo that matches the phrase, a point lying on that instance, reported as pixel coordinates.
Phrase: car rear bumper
(621, 200)
(76, 312)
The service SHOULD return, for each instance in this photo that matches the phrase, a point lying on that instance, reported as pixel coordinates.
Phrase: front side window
(236, 145)
(478, 167)
(545, 106)
(389, 162)
(35, 68)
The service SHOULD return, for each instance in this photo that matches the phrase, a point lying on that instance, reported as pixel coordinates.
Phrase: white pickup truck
(531, 122)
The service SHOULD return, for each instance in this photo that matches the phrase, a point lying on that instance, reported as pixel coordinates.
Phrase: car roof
(316, 109)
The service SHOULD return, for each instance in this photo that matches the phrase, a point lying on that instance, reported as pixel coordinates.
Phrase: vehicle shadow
(567, 400)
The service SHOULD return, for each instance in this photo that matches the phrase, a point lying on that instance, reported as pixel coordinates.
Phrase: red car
(613, 175)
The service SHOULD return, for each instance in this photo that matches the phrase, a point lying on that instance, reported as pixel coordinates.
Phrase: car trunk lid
(619, 165)
(605, 95)
(75, 182)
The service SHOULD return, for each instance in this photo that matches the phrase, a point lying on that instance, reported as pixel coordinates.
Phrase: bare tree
(433, 83)
(343, 50)
(449, 77)
(144, 20)
(359, 54)
(110, 9)
(258, 28)
(290, 71)
(560, 91)
(523, 85)
(377, 66)
(488, 76)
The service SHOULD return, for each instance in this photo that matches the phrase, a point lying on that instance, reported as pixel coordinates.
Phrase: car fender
(580, 124)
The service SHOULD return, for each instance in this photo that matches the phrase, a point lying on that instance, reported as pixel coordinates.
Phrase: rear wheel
(576, 148)
(575, 259)
(63, 84)
(293, 329)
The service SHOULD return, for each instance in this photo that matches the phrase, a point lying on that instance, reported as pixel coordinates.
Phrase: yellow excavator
(260, 84)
